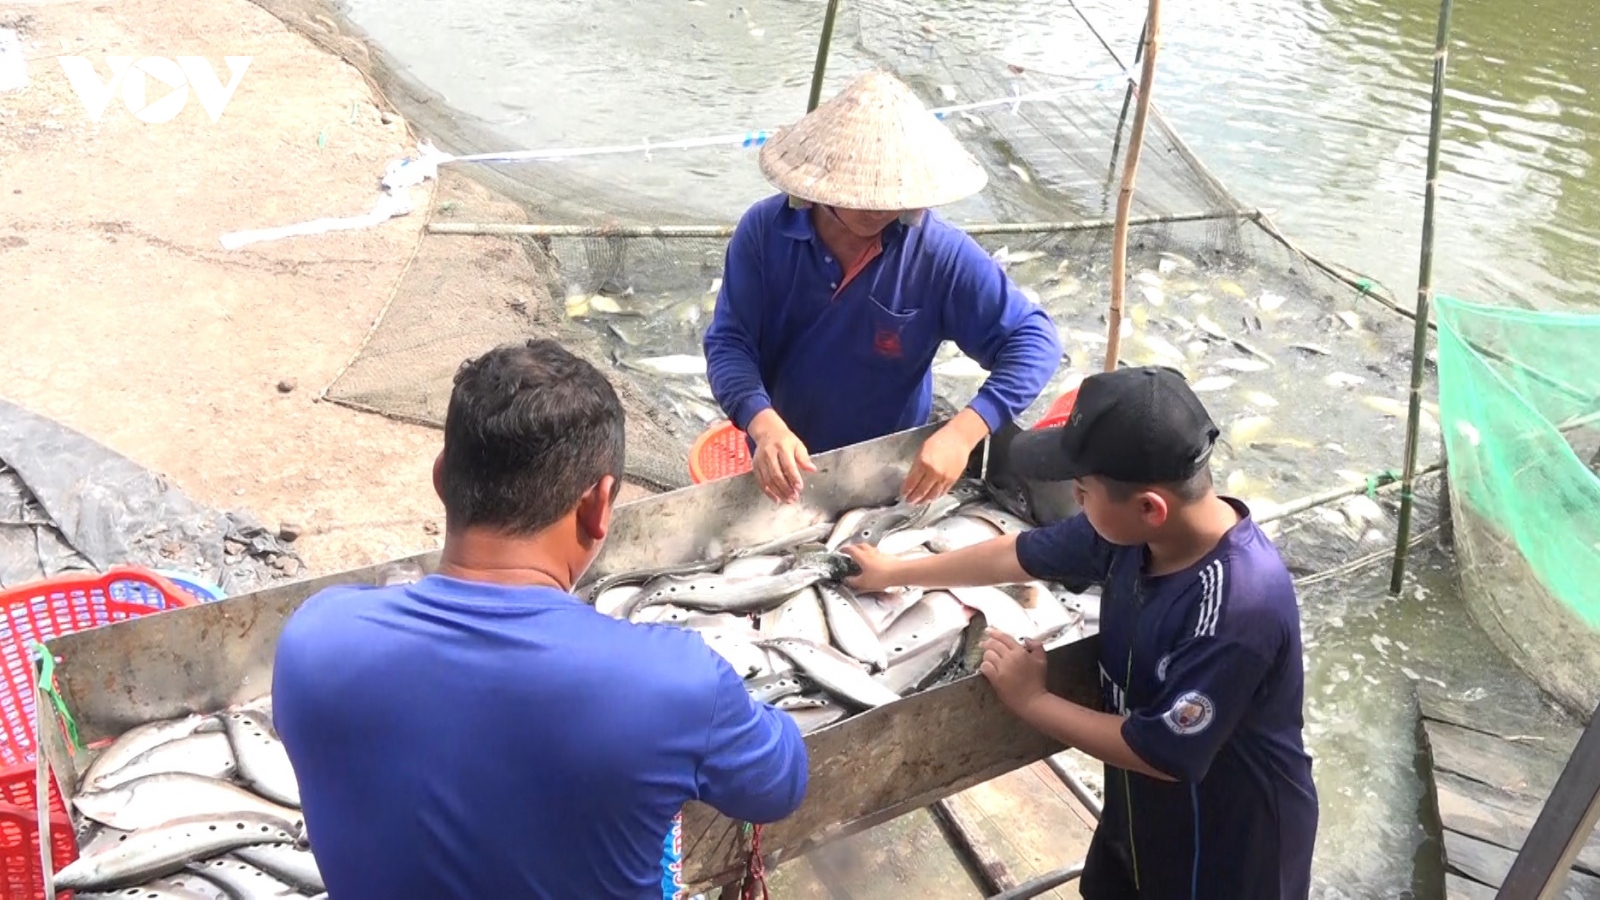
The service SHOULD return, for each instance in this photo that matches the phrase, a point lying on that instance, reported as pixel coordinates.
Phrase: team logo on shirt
(1161, 667)
(886, 343)
(1190, 714)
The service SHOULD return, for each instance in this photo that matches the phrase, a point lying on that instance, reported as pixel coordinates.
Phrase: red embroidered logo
(887, 343)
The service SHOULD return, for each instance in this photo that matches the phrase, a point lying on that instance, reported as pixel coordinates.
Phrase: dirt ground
(124, 317)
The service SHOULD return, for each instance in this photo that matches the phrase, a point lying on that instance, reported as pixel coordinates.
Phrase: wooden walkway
(1030, 822)
(1490, 771)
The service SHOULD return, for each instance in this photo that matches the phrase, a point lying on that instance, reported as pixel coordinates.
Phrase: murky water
(1317, 110)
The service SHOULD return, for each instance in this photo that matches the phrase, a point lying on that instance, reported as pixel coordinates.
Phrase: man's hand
(1015, 671)
(943, 457)
(779, 459)
(879, 570)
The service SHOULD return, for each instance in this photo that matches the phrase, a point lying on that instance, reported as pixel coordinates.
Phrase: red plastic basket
(1059, 412)
(719, 452)
(29, 615)
(19, 850)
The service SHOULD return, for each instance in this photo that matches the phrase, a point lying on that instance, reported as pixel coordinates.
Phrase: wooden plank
(1502, 819)
(1033, 827)
(1458, 888)
(1564, 825)
(1487, 864)
(1481, 757)
(1502, 720)
(969, 841)
(883, 763)
(904, 857)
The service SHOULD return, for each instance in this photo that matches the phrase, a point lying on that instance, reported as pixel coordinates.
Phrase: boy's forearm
(1095, 733)
(991, 562)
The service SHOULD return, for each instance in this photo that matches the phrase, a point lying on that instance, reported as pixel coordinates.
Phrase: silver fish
(869, 526)
(244, 880)
(807, 535)
(155, 852)
(1049, 614)
(155, 890)
(263, 761)
(296, 867)
(800, 616)
(755, 566)
(912, 673)
(800, 701)
(852, 632)
(884, 608)
(613, 600)
(207, 753)
(817, 719)
(961, 531)
(834, 672)
(999, 518)
(739, 648)
(934, 619)
(644, 576)
(715, 593)
(157, 799)
(775, 687)
(902, 542)
(1002, 612)
(184, 884)
(137, 741)
(666, 614)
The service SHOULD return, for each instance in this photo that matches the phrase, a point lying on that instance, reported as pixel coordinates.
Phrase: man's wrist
(969, 426)
(764, 424)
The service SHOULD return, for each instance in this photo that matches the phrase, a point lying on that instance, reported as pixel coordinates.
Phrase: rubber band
(45, 675)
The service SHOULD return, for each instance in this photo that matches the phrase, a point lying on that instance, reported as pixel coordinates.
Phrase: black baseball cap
(1138, 425)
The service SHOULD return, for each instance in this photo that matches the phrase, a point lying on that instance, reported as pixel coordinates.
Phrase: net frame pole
(1119, 236)
(823, 45)
(1419, 345)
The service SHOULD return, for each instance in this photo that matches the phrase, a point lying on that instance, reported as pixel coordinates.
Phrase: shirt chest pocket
(890, 339)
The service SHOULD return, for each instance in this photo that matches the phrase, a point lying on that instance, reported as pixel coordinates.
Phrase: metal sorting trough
(865, 769)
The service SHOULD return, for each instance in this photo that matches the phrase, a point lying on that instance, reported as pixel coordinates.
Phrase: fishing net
(1520, 399)
(1295, 358)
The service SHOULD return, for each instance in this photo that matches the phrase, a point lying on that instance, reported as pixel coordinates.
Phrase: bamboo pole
(726, 231)
(1119, 237)
(1127, 101)
(1419, 345)
(822, 55)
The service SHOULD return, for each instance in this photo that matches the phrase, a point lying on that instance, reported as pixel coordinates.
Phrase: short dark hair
(1193, 488)
(530, 428)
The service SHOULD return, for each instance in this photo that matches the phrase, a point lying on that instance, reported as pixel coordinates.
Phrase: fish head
(836, 566)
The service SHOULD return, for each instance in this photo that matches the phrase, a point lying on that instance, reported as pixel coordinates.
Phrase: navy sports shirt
(841, 365)
(454, 739)
(1205, 667)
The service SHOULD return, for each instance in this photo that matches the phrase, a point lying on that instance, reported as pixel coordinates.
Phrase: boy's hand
(1015, 671)
(879, 570)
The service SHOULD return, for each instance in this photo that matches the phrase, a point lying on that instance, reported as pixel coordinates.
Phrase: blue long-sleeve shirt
(841, 366)
(454, 739)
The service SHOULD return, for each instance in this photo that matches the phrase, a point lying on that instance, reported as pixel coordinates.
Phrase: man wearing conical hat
(837, 293)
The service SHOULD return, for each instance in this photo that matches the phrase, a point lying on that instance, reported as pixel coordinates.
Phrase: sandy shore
(127, 320)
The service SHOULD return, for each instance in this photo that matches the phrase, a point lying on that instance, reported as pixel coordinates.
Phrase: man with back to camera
(482, 732)
(1208, 788)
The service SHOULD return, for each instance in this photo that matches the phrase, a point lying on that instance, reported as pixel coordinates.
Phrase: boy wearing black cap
(1208, 789)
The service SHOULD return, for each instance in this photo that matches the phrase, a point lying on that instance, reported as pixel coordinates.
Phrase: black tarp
(69, 503)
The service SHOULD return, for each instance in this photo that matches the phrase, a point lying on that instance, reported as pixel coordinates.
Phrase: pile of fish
(804, 642)
(199, 808)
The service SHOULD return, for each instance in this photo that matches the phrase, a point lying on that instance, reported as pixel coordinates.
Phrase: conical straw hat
(874, 146)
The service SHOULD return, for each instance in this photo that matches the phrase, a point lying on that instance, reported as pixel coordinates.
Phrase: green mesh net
(1519, 398)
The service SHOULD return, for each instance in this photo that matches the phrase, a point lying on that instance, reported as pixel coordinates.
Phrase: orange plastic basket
(719, 452)
(29, 615)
